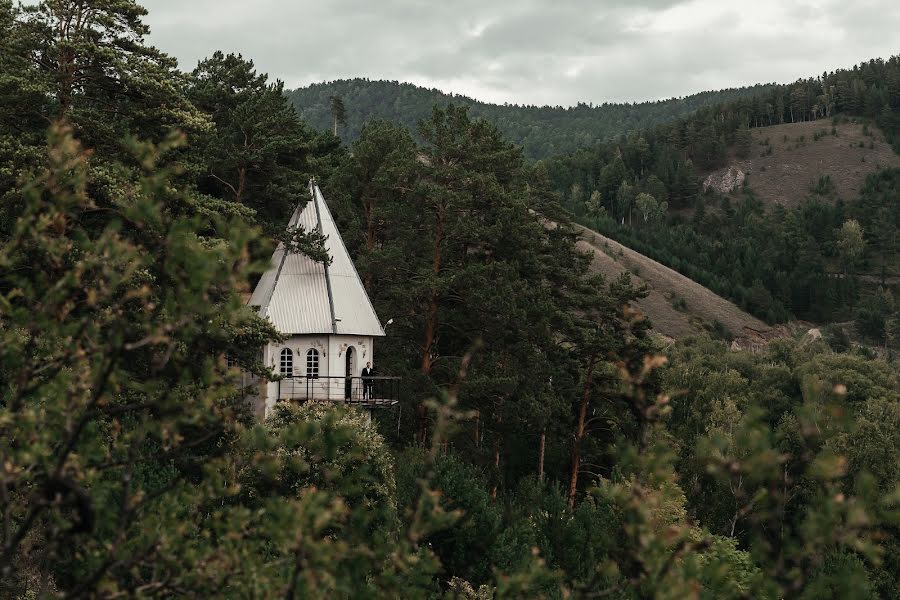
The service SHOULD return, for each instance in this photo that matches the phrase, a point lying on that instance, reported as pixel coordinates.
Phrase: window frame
(312, 363)
(286, 362)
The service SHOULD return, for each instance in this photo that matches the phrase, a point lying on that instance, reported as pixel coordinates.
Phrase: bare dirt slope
(677, 306)
(786, 161)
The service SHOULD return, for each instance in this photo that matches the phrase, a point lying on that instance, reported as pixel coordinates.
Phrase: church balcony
(357, 391)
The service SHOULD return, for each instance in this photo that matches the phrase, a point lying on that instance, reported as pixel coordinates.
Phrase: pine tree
(373, 193)
(258, 154)
(91, 58)
(743, 142)
(338, 112)
(114, 336)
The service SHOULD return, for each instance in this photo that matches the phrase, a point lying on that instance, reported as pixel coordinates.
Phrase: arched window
(312, 364)
(287, 362)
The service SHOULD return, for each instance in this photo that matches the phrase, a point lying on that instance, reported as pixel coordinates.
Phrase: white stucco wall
(332, 362)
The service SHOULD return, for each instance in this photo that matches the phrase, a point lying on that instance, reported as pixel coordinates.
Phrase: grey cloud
(534, 51)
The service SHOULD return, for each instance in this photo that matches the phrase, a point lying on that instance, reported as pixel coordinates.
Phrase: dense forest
(810, 261)
(548, 446)
(542, 131)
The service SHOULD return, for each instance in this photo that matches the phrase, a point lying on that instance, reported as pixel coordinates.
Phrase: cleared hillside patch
(788, 161)
(676, 305)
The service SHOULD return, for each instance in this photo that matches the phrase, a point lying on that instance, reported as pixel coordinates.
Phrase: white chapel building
(330, 321)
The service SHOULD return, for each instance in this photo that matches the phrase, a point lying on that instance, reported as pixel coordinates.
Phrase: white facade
(326, 312)
(336, 356)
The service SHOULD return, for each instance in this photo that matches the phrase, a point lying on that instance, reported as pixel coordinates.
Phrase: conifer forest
(550, 438)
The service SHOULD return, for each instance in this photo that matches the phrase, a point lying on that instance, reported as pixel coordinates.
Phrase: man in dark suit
(368, 384)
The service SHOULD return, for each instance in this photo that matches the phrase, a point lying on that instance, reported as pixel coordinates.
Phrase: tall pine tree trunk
(427, 363)
(579, 433)
(66, 67)
(478, 429)
(497, 443)
(370, 238)
(541, 448)
(68, 21)
(431, 312)
(370, 224)
(242, 185)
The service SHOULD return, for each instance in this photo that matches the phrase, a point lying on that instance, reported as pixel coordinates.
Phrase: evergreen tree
(373, 195)
(555, 453)
(338, 112)
(743, 142)
(114, 335)
(850, 244)
(258, 154)
(91, 60)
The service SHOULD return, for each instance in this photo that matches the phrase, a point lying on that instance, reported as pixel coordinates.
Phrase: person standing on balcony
(367, 373)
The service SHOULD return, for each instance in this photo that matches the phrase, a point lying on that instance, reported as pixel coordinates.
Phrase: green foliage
(551, 453)
(743, 142)
(141, 470)
(317, 488)
(874, 313)
(338, 111)
(259, 153)
(97, 72)
(824, 187)
(464, 548)
(352, 454)
(775, 451)
(780, 263)
(111, 330)
(650, 209)
(730, 250)
(850, 243)
(543, 131)
(449, 247)
(837, 337)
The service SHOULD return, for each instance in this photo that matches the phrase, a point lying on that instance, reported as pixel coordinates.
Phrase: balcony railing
(365, 391)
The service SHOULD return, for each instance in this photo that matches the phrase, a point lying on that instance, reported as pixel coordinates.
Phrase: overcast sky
(535, 51)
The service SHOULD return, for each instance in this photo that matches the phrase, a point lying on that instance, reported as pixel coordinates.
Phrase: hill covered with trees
(542, 131)
(547, 446)
(813, 254)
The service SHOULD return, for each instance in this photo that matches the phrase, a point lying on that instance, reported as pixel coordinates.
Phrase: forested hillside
(542, 131)
(545, 445)
(805, 247)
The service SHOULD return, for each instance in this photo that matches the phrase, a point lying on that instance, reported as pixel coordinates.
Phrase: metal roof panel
(301, 296)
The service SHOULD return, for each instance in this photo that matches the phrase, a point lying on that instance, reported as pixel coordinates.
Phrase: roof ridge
(340, 240)
(301, 296)
(316, 193)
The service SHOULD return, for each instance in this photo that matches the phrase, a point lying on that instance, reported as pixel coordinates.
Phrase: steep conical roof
(299, 295)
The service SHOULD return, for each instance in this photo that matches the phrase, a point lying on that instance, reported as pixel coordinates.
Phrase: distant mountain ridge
(542, 130)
